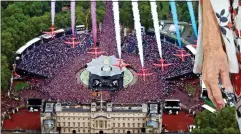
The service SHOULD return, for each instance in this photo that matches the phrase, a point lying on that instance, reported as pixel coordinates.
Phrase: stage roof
(103, 66)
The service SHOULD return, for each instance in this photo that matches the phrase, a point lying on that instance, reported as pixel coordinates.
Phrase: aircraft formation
(95, 50)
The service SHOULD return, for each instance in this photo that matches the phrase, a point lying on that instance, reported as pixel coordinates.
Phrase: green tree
(230, 131)
(145, 14)
(100, 11)
(223, 121)
(5, 73)
(80, 18)
(205, 119)
(226, 119)
(163, 10)
(126, 16)
(58, 6)
(207, 130)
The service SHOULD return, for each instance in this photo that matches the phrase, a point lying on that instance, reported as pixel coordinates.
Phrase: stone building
(101, 117)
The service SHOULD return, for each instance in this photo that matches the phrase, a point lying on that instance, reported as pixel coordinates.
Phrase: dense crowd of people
(107, 37)
(47, 58)
(60, 63)
(151, 54)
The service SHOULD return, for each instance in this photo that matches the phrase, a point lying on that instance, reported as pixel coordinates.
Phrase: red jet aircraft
(181, 55)
(121, 64)
(162, 65)
(72, 42)
(143, 73)
(52, 32)
(95, 51)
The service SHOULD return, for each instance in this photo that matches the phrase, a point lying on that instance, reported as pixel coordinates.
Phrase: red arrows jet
(181, 55)
(52, 32)
(143, 73)
(72, 42)
(161, 64)
(121, 64)
(95, 51)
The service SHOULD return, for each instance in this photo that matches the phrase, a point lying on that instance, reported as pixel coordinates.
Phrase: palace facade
(101, 117)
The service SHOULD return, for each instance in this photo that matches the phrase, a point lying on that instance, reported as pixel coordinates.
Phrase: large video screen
(153, 108)
(106, 82)
(34, 102)
(172, 103)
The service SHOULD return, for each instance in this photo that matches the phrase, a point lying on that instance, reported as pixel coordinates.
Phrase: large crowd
(60, 63)
(47, 58)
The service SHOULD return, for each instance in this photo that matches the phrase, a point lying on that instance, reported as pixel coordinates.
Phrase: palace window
(113, 124)
(105, 124)
(83, 124)
(128, 124)
(78, 124)
(123, 124)
(68, 123)
(101, 123)
(118, 124)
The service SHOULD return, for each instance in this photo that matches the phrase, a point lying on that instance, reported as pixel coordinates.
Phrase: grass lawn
(190, 89)
(21, 85)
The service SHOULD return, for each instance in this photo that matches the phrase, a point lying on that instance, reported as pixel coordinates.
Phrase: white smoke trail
(156, 25)
(52, 11)
(73, 16)
(117, 26)
(136, 15)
